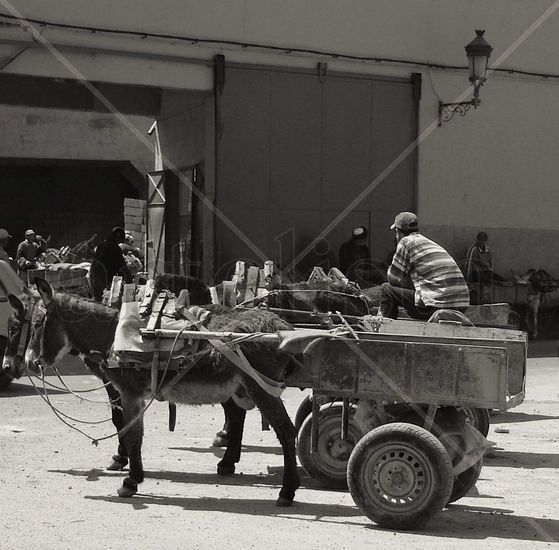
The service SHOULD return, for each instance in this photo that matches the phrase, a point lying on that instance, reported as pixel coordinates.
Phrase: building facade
(284, 124)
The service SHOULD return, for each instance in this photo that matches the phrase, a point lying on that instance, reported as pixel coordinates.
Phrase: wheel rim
(398, 477)
(333, 452)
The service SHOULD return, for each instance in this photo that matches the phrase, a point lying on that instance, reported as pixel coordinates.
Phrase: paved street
(56, 494)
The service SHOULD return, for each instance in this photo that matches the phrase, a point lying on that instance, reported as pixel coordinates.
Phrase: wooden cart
(419, 380)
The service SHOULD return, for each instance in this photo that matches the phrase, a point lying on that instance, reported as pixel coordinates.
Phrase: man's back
(437, 278)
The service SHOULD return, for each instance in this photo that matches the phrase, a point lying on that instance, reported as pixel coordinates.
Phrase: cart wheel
(478, 418)
(515, 320)
(329, 463)
(5, 379)
(465, 481)
(400, 475)
(305, 408)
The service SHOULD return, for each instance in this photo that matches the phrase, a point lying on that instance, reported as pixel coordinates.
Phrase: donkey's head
(24, 331)
(50, 341)
(71, 324)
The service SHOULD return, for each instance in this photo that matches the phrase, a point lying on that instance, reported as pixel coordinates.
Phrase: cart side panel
(415, 372)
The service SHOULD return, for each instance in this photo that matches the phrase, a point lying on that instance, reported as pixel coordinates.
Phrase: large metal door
(295, 149)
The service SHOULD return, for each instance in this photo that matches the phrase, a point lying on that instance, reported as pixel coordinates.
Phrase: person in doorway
(107, 262)
(128, 247)
(356, 263)
(479, 262)
(437, 280)
(132, 254)
(4, 240)
(26, 256)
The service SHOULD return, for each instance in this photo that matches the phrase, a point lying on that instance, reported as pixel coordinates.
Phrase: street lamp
(478, 52)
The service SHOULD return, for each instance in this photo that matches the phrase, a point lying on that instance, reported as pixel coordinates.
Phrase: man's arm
(399, 268)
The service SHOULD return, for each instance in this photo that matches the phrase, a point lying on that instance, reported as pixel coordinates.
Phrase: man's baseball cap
(406, 221)
(29, 232)
(4, 234)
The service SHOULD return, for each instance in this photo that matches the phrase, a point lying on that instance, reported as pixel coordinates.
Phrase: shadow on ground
(516, 459)
(273, 477)
(16, 389)
(458, 521)
(248, 506)
(509, 416)
(219, 451)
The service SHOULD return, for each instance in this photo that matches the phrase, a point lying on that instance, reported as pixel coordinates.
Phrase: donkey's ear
(16, 303)
(45, 290)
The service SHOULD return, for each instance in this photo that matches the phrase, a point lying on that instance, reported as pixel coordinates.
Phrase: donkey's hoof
(225, 469)
(129, 488)
(118, 463)
(221, 439)
(284, 501)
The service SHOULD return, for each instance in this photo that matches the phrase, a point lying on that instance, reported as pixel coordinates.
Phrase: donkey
(211, 378)
(24, 334)
(20, 325)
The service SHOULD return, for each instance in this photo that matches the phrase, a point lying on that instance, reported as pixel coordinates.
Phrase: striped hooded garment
(437, 279)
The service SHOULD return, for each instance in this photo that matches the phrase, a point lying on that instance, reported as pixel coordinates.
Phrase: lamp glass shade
(478, 68)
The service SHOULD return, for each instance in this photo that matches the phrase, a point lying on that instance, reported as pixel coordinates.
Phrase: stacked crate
(135, 220)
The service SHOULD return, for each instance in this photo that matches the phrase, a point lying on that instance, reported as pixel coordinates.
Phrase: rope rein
(95, 441)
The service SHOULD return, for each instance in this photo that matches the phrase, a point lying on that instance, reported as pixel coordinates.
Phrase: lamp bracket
(448, 110)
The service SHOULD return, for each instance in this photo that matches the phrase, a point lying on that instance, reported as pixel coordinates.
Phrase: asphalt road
(55, 493)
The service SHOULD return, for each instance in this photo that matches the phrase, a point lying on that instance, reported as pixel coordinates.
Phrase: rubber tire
(305, 408)
(5, 380)
(478, 418)
(330, 476)
(412, 439)
(465, 481)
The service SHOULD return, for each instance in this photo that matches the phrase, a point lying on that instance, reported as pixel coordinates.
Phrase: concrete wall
(494, 169)
(38, 133)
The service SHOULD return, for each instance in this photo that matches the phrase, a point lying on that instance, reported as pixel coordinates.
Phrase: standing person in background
(132, 254)
(26, 256)
(356, 263)
(479, 262)
(107, 262)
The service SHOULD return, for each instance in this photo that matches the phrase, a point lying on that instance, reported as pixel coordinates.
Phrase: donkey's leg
(120, 460)
(235, 419)
(221, 437)
(277, 416)
(132, 405)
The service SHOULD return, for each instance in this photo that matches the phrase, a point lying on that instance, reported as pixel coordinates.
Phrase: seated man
(437, 280)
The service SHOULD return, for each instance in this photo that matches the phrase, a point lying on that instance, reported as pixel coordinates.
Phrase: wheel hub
(396, 478)
(340, 449)
(399, 477)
